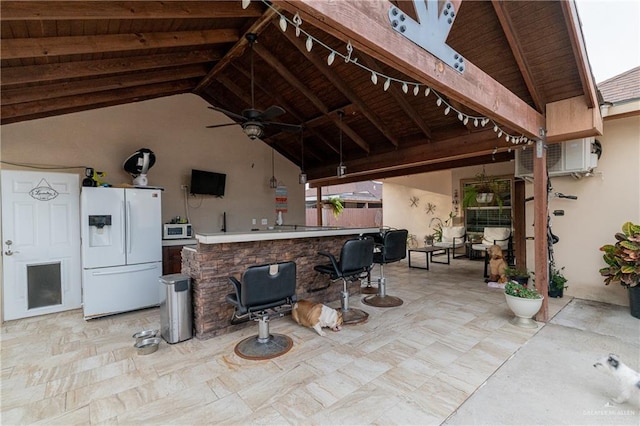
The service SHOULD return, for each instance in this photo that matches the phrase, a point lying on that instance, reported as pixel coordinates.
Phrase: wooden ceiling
(60, 57)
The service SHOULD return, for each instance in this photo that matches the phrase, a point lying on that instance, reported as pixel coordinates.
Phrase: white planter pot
(524, 310)
(484, 197)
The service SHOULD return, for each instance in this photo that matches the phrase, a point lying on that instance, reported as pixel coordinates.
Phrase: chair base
(368, 289)
(354, 316)
(256, 348)
(385, 301)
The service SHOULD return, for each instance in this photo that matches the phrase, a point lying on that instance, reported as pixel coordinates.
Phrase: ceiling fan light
(253, 130)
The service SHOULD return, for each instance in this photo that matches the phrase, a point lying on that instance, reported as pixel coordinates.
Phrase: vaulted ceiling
(520, 57)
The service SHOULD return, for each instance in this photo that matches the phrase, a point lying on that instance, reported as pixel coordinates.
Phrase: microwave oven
(173, 231)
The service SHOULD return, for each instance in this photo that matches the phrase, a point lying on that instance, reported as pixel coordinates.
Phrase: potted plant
(484, 190)
(521, 276)
(334, 204)
(623, 263)
(437, 228)
(524, 302)
(557, 282)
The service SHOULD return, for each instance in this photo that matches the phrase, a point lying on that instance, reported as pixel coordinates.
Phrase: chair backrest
(395, 245)
(451, 232)
(356, 255)
(496, 235)
(264, 284)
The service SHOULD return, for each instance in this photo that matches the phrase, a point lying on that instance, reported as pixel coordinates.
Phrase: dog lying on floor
(316, 316)
(628, 379)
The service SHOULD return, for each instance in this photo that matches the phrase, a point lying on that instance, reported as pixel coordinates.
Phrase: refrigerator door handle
(122, 229)
(140, 269)
(128, 226)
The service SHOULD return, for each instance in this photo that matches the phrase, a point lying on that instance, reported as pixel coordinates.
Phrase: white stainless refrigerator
(121, 249)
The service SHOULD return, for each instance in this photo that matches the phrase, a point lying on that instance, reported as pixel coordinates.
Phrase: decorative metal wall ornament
(44, 191)
(414, 201)
(430, 208)
(431, 30)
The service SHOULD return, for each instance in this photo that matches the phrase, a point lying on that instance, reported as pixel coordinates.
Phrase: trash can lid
(173, 278)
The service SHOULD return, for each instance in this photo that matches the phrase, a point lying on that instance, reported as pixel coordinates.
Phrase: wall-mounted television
(207, 183)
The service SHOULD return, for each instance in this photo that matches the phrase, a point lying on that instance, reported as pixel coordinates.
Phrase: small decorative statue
(497, 265)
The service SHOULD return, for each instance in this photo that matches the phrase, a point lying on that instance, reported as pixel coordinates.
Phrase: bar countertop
(280, 233)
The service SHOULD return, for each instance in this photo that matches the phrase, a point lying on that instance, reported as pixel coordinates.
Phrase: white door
(40, 243)
(144, 225)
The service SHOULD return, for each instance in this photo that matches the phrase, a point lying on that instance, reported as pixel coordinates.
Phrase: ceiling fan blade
(272, 112)
(285, 126)
(213, 126)
(229, 113)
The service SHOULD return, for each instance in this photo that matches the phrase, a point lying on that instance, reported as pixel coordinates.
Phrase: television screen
(207, 183)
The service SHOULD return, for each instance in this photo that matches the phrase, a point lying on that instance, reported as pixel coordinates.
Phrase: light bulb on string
(475, 122)
(416, 89)
(309, 44)
(446, 110)
(427, 91)
(374, 77)
(460, 117)
(405, 87)
(387, 84)
(495, 127)
(331, 57)
(245, 3)
(439, 102)
(465, 121)
(283, 23)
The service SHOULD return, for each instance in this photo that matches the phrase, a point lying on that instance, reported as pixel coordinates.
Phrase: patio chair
(453, 237)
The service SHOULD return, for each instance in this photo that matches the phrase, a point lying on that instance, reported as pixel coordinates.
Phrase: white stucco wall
(174, 128)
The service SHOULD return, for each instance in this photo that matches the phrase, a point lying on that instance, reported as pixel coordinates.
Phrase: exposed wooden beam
(508, 28)
(401, 100)
(82, 69)
(334, 78)
(570, 11)
(308, 93)
(58, 90)
(237, 50)
(66, 10)
(40, 47)
(37, 109)
(238, 91)
(465, 146)
(500, 157)
(367, 26)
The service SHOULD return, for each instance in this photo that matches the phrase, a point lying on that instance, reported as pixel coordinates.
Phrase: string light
(481, 121)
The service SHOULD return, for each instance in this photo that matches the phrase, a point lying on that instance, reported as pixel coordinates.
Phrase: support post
(540, 201)
(319, 206)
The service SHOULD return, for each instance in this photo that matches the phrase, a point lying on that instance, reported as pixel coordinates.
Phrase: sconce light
(342, 169)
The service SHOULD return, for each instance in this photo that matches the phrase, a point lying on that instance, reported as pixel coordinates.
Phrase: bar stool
(392, 249)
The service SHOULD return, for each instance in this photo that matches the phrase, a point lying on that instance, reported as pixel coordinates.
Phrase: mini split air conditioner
(574, 157)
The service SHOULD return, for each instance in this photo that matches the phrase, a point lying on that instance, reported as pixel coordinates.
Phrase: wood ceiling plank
(401, 100)
(77, 45)
(509, 31)
(84, 86)
(464, 146)
(366, 25)
(237, 50)
(12, 76)
(57, 106)
(307, 93)
(340, 85)
(67, 10)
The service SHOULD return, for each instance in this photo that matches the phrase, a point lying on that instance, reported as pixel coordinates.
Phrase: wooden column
(319, 206)
(540, 220)
(519, 223)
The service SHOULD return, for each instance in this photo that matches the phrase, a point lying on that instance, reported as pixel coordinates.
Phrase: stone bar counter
(220, 255)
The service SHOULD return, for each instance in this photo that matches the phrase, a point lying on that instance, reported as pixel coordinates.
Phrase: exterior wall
(605, 201)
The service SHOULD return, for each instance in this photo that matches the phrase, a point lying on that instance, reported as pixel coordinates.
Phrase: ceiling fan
(252, 120)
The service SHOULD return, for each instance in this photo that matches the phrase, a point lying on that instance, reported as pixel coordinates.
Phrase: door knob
(9, 252)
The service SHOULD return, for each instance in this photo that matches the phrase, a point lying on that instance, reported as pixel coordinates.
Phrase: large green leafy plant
(623, 257)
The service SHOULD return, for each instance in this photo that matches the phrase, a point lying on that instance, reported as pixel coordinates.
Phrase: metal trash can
(176, 318)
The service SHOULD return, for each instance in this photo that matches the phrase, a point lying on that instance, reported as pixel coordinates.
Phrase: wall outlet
(254, 221)
(264, 221)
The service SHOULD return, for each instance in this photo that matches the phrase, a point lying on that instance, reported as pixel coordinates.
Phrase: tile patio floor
(413, 364)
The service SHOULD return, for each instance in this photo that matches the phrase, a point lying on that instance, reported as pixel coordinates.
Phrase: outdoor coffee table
(429, 251)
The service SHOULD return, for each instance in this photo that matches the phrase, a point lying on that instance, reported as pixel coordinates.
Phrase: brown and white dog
(316, 315)
(497, 265)
(628, 379)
